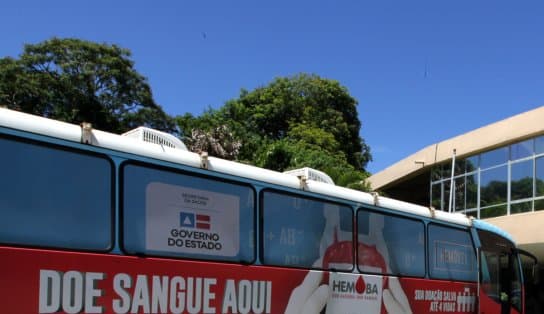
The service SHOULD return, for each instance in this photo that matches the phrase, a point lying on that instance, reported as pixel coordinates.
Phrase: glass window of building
(493, 186)
(521, 180)
(505, 180)
(436, 195)
(472, 163)
(493, 211)
(472, 191)
(446, 194)
(436, 173)
(539, 204)
(539, 145)
(522, 149)
(539, 176)
(522, 207)
(494, 158)
(459, 193)
(446, 170)
(460, 166)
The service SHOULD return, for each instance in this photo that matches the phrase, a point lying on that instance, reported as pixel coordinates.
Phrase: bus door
(529, 266)
(500, 288)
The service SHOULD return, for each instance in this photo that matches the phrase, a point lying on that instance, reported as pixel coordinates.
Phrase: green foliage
(309, 101)
(522, 188)
(493, 193)
(293, 122)
(314, 136)
(277, 155)
(299, 121)
(75, 81)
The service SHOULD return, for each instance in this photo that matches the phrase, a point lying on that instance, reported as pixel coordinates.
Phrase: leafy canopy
(299, 121)
(293, 122)
(75, 81)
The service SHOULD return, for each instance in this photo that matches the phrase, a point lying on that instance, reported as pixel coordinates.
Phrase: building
(498, 176)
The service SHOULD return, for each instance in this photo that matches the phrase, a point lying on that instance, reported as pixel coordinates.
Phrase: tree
(290, 105)
(299, 121)
(286, 154)
(80, 81)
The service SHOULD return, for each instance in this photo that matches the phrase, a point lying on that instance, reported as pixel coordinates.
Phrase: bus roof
(482, 225)
(48, 127)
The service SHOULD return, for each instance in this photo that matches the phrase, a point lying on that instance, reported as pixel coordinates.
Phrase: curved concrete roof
(513, 129)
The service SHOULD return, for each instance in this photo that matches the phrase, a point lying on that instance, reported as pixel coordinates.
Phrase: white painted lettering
(208, 295)
(229, 298)
(159, 297)
(49, 291)
(120, 283)
(92, 293)
(268, 296)
(140, 298)
(247, 297)
(194, 295)
(244, 296)
(177, 299)
(72, 292)
(259, 295)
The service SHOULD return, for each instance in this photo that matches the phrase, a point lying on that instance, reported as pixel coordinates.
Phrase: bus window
(169, 213)
(500, 271)
(529, 267)
(451, 254)
(305, 232)
(53, 197)
(390, 244)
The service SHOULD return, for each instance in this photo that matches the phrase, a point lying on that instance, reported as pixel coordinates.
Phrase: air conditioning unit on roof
(311, 174)
(156, 137)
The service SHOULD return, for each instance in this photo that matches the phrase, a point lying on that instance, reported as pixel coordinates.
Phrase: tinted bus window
(500, 272)
(51, 197)
(168, 213)
(305, 232)
(390, 244)
(451, 254)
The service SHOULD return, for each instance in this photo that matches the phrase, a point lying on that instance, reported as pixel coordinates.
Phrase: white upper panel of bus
(43, 126)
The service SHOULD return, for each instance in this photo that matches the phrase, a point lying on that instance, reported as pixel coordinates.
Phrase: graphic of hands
(394, 298)
(309, 297)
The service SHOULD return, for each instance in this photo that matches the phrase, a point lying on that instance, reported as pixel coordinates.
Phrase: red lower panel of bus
(40, 281)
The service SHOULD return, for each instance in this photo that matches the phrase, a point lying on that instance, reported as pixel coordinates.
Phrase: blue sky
(422, 71)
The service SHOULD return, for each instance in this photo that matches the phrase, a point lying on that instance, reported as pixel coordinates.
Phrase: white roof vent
(311, 174)
(156, 137)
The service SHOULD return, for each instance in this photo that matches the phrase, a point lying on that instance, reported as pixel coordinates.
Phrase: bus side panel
(491, 305)
(438, 296)
(41, 281)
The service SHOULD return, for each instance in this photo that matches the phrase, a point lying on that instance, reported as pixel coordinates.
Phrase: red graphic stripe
(203, 218)
(201, 225)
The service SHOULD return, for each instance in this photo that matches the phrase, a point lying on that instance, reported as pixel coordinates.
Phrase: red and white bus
(93, 222)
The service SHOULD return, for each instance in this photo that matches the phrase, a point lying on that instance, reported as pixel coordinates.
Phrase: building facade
(498, 176)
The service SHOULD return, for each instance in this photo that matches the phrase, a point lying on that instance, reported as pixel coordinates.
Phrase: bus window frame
(514, 263)
(474, 249)
(193, 172)
(62, 146)
(309, 197)
(383, 212)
